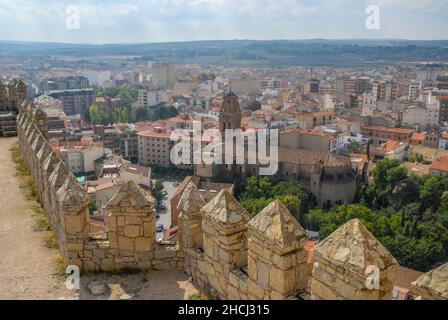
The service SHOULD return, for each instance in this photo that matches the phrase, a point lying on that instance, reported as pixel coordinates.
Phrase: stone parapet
(432, 285)
(130, 238)
(351, 264)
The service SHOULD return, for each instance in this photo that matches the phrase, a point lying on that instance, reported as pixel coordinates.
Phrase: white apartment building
(163, 75)
(154, 147)
(415, 89)
(97, 78)
(422, 117)
(149, 98)
(82, 160)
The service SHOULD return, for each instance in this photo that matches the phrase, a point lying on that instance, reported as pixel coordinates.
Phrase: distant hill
(317, 52)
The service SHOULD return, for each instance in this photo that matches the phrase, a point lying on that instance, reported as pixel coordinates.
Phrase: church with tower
(230, 114)
(329, 177)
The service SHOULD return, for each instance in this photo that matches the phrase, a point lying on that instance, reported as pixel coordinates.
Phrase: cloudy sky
(113, 21)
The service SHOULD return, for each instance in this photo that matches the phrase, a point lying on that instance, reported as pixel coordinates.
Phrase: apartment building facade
(381, 134)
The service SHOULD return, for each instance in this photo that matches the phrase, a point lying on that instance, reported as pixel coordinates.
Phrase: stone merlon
(191, 201)
(276, 224)
(352, 246)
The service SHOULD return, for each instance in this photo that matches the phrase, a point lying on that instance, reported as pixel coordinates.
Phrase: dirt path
(27, 267)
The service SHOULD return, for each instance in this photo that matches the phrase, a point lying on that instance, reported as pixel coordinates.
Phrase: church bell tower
(230, 114)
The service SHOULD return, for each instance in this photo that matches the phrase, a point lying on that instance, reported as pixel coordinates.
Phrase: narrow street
(165, 215)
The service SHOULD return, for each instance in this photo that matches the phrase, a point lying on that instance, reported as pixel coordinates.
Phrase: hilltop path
(27, 267)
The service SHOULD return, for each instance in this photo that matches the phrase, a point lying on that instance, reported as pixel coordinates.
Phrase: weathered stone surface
(133, 220)
(132, 231)
(276, 224)
(353, 247)
(73, 224)
(191, 201)
(343, 261)
(125, 244)
(142, 244)
(225, 209)
(432, 285)
(97, 288)
(131, 195)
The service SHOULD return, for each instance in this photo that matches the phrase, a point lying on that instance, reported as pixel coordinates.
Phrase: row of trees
(98, 115)
(442, 78)
(128, 95)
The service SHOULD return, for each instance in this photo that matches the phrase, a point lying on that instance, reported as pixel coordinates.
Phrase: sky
(140, 21)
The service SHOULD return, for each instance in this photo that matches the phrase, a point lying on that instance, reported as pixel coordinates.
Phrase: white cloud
(145, 20)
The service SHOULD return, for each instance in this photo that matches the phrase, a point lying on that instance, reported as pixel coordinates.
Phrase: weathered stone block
(164, 253)
(74, 246)
(282, 281)
(73, 224)
(132, 231)
(125, 244)
(107, 265)
(112, 223)
(113, 240)
(142, 244)
(255, 291)
(263, 274)
(233, 294)
(121, 221)
(321, 291)
(149, 229)
(123, 260)
(98, 253)
(133, 220)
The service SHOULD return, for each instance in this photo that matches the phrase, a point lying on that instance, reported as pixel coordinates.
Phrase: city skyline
(138, 21)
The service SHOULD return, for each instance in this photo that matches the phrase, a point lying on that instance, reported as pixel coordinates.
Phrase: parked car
(162, 207)
(157, 216)
(160, 228)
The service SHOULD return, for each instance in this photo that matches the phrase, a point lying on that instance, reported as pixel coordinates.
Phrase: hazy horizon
(217, 40)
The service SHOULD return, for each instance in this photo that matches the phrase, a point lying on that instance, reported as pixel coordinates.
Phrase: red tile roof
(394, 130)
(419, 136)
(392, 145)
(440, 164)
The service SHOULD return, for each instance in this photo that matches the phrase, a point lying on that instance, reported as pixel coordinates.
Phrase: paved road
(165, 215)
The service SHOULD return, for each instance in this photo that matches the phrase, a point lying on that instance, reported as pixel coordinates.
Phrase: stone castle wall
(221, 247)
(131, 222)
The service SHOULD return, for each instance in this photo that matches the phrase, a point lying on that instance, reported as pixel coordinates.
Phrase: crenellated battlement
(130, 224)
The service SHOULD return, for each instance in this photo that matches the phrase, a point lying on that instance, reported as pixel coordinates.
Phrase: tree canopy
(407, 213)
(258, 192)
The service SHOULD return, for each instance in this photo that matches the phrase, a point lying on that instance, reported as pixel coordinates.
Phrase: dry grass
(50, 241)
(27, 185)
(201, 296)
(61, 266)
